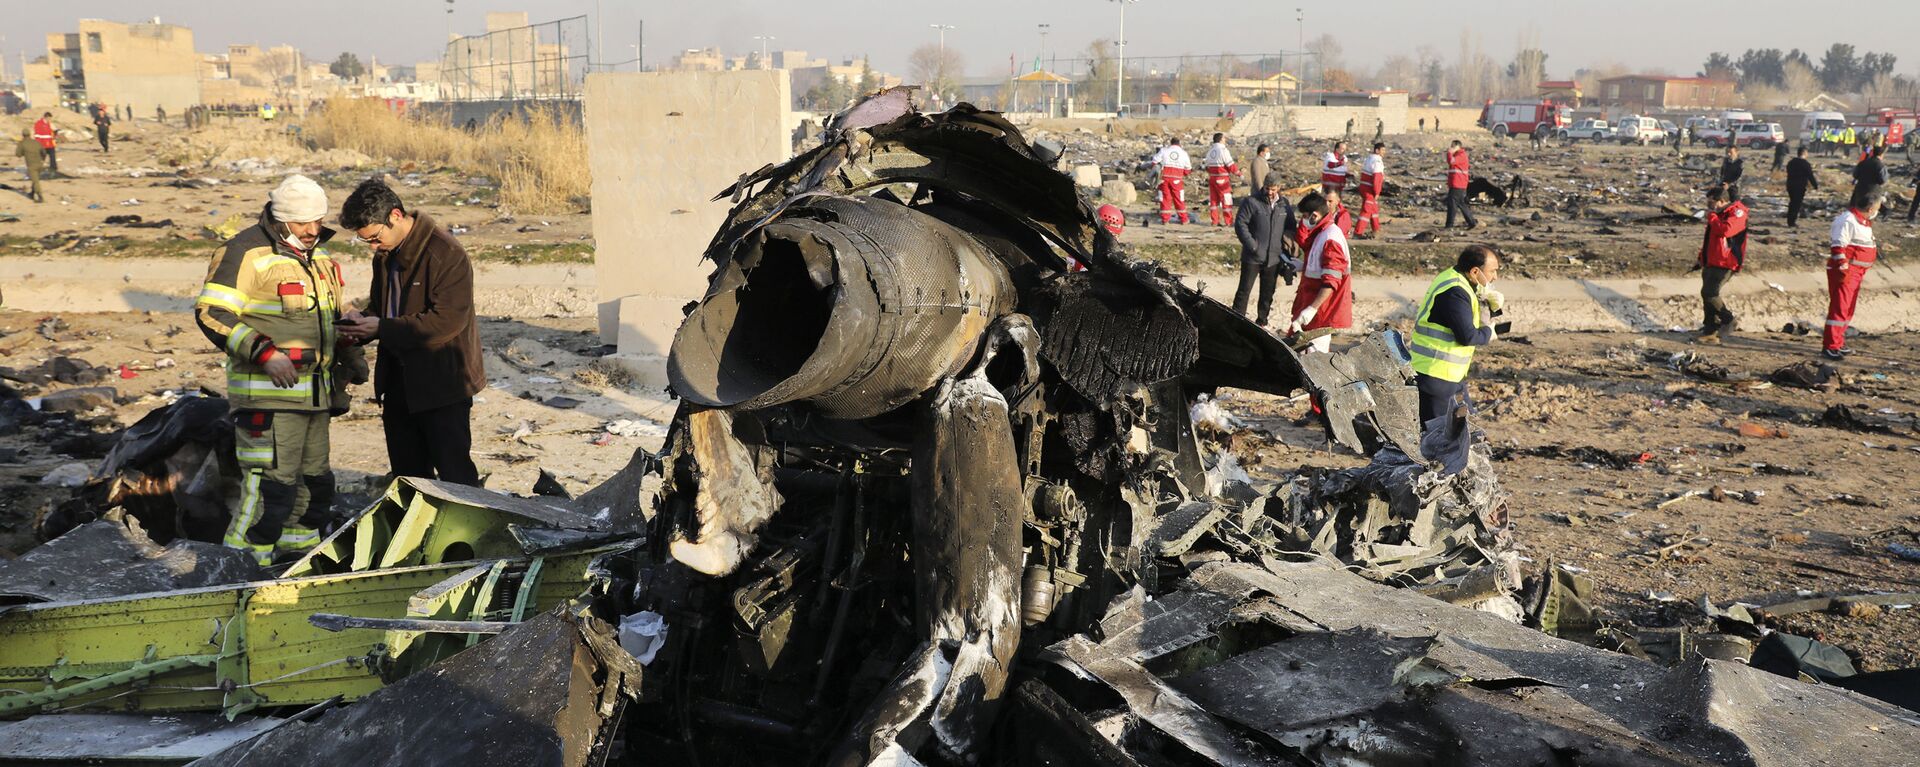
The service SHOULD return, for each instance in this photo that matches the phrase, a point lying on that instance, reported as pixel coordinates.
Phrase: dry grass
(605, 374)
(539, 163)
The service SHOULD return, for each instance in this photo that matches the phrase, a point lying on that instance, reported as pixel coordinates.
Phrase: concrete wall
(660, 145)
(1451, 118)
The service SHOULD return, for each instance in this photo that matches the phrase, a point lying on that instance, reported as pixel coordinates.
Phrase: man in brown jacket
(421, 305)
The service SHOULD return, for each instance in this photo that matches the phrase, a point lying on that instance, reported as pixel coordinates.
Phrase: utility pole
(1120, 74)
(1300, 77)
(764, 63)
(599, 35)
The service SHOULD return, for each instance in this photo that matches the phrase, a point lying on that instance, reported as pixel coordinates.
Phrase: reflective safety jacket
(1851, 244)
(1373, 176)
(1333, 169)
(262, 297)
(1437, 353)
(1458, 169)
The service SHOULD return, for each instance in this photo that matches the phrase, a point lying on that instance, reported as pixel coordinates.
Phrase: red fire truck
(1510, 117)
(1895, 123)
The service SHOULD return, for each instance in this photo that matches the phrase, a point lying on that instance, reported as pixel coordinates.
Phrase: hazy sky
(1670, 34)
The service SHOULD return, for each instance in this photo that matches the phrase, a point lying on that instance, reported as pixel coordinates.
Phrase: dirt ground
(1595, 434)
(1596, 431)
(547, 405)
(1594, 210)
(200, 179)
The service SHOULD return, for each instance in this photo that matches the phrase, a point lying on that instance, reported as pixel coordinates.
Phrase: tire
(1500, 131)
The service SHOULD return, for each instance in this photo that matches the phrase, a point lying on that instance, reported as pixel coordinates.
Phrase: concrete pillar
(660, 145)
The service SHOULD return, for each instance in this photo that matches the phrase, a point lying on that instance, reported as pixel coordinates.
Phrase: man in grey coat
(1265, 225)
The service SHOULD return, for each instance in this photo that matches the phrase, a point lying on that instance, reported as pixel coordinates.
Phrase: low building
(142, 65)
(1656, 93)
(1560, 92)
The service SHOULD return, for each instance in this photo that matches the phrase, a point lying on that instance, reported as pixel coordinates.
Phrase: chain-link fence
(1146, 84)
(539, 61)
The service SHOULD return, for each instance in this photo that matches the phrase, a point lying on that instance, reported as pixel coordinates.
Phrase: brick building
(1654, 93)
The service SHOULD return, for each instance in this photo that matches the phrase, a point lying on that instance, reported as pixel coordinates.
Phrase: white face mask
(292, 240)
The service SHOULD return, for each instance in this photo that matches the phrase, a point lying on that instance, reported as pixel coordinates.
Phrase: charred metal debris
(935, 495)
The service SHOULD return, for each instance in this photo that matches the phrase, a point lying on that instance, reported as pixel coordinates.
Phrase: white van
(1736, 116)
(1635, 129)
(1813, 121)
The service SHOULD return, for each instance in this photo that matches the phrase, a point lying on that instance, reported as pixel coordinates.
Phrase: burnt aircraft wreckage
(935, 495)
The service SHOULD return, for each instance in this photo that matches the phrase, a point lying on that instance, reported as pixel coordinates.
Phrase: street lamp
(1120, 76)
(943, 37)
(764, 64)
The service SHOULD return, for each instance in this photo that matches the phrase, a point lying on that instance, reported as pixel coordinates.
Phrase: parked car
(1669, 132)
(1715, 134)
(1635, 129)
(1700, 124)
(1759, 135)
(1591, 130)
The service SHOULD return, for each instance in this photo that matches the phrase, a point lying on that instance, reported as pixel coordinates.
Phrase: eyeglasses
(369, 239)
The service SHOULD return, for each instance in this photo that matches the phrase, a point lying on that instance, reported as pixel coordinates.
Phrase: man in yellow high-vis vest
(1455, 318)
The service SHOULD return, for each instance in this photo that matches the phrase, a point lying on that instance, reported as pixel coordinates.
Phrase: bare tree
(282, 68)
(1798, 81)
(1327, 54)
(1398, 71)
(938, 69)
(1476, 76)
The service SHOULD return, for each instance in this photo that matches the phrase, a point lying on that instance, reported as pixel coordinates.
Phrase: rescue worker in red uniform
(1325, 296)
(1722, 254)
(1373, 179)
(1337, 208)
(43, 133)
(1333, 168)
(1220, 172)
(1173, 164)
(1851, 252)
(1458, 172)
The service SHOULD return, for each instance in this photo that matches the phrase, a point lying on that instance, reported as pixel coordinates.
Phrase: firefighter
(270, 302)
(1373, 179)
(1172, 163)
(1722, 253)
(43, 133)
(1325, 295)
(1458, 171)
(1851, 252)
(1220, 172)
(1333, 167)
